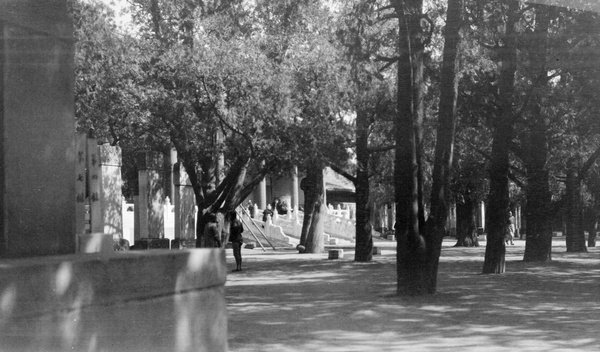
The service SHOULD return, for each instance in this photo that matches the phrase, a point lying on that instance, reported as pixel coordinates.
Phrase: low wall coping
(35, 286)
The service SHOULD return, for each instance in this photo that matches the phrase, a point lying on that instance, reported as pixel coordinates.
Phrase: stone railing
(281, 228)
(277, 231)
(336, 224)
(339, 227)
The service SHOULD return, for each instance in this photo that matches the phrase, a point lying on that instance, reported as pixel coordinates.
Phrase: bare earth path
(284, 301)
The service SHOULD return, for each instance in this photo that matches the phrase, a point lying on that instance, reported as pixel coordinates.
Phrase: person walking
(235, 237)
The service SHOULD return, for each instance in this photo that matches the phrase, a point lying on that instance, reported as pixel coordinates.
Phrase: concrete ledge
(134, 301)
(152, 243)
(95, 242)
(179, 243)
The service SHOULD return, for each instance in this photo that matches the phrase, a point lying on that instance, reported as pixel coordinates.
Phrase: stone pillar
(324, 187)
(38, 151)
(111, 190)
(80, 184)
(483, 216)
(262, 199)
(149, 208)
(390, 216)
(295, 187)
(169, 176)
(103, 197)
(94, 174)
(185, 209)
(136, 218)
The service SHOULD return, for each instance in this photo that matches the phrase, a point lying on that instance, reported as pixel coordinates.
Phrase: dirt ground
(285, 301)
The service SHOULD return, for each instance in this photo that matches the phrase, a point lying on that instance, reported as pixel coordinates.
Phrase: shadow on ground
(292, 302)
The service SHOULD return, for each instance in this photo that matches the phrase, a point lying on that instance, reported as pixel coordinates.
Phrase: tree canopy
(442, 101)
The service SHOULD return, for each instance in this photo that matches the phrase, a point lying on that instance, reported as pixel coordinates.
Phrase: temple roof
(337, 182)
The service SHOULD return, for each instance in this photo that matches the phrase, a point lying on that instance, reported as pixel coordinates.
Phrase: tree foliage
(244, 89)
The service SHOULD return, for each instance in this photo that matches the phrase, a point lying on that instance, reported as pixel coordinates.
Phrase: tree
(321, 93)
(468, 187)
(498, 200)
(365, 38)
(444, 149)
(107, 64)
(411, 252)
(538, 210)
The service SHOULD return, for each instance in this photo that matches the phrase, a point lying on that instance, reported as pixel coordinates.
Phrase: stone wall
(124, 301)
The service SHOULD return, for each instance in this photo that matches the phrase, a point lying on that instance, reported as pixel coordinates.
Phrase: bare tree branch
(588, 164)
(340, 171)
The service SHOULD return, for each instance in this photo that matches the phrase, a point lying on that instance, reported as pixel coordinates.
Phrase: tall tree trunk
(575, 238)
(538, 210)
(312, 228)
(495, 249)
(412, 252)
(444, 148)
(364, 240)
(466, 223)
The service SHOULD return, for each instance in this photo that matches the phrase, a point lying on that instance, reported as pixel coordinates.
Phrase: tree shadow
(308, 304)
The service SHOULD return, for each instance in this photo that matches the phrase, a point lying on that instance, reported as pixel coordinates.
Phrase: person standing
(511, 228)
(212, 237)
(235, 237)
(266, 213)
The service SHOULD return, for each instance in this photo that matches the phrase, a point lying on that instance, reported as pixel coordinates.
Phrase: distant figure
(275, 204)
(266, 213)
(212, 237)
(511, 229)
(235, 237)
(121, 244)
(252, 209)
(282, 208)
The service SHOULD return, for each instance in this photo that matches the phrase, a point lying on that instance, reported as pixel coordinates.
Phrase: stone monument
(149, 212)
(37, 144)
(185, 210)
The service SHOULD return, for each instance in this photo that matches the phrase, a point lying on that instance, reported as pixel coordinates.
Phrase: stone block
(334, 241)
(122, 301)
(376, 251)
(110, 155)
(152, 243)
(95, 243)
(38, 153)
(390, 237)
(336, 254)
(180, 243)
